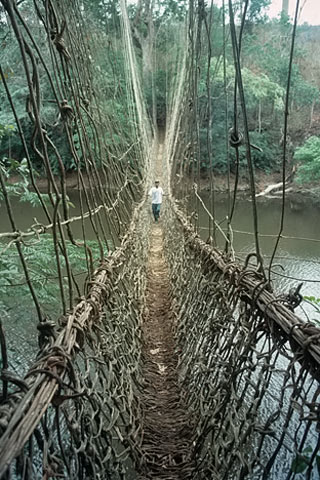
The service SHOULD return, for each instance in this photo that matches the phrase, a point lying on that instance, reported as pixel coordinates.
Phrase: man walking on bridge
(156, 194)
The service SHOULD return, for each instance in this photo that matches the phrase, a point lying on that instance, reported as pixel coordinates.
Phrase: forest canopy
(157, 29)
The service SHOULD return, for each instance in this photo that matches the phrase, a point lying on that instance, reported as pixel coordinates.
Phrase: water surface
(297, 259)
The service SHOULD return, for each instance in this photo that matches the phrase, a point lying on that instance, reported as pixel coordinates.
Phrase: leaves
(308, 158)
(299, 464)
(302, 461)
(41, 263)
(19, 188)
(312, 299)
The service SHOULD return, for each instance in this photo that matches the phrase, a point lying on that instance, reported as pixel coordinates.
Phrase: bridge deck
(166, 425)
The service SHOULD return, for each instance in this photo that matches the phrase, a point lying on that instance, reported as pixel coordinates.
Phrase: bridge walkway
(167, 427)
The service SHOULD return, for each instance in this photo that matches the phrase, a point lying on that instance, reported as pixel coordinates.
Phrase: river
(25, 215)
(297, 259)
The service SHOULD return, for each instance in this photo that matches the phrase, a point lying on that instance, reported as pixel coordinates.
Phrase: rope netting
(70, 112)
(249, 364)
(69, 404)
(210, 377)
(75, 414)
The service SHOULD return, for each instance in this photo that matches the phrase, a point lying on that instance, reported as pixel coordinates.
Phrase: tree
(257, 12)
(102, 79)
(151, 23)
(308, 159)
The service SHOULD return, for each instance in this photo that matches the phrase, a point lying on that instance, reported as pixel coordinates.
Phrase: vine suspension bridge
(163, 357)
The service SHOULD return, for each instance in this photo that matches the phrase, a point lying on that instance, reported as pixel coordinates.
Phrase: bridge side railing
(249, 365)
(75, 413)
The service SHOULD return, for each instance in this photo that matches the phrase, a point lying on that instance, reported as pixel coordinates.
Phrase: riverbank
(295, 192)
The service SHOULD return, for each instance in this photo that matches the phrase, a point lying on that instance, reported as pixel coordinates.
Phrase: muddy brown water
(25, 216)
(298, 257)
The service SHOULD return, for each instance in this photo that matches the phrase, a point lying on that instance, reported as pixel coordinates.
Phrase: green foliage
(302, 461)
(105, 67)
(41, 262)
(264, 57)
(315, 302)
(6, 131)
(259, 88)
(19, 188)
(303, 93)
(172, 8)
(265, 60)
(39, 254)
(313, 299)
(269, 53)
(256, 12)
(268, 159)
(105, 13)
(308, 158)
(263, 97)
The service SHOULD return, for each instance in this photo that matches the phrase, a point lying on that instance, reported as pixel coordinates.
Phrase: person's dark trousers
(156, 210)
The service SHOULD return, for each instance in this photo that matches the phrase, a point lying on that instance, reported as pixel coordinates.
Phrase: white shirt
(156, 194)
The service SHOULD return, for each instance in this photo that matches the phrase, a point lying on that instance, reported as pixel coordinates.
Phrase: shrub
(308, 158)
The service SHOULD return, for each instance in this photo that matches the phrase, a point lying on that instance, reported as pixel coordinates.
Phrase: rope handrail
(47, 375)
(248, 281)
(39, 228)
(268, 235)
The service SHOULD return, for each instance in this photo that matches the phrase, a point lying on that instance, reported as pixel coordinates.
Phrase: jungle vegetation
(264, 55)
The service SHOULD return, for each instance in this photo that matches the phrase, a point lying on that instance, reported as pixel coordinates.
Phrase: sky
(309, 10)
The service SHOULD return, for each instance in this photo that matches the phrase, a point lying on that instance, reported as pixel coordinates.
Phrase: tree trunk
(259, 117)
(311, 113)
(147, 42)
